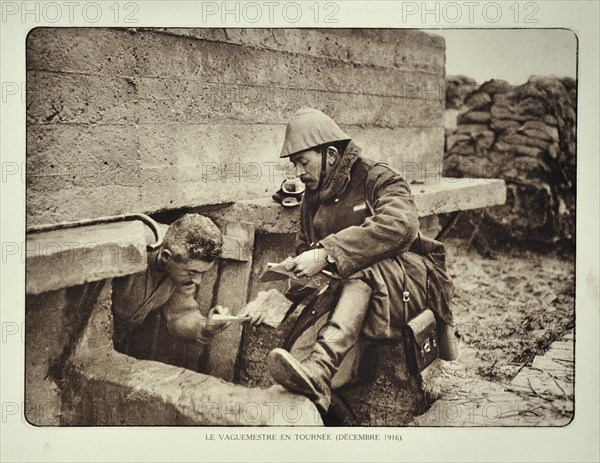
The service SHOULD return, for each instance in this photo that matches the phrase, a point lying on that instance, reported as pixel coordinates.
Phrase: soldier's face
(183, 273)
(308, 167)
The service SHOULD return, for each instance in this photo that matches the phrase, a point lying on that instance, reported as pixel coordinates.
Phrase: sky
(510, 54)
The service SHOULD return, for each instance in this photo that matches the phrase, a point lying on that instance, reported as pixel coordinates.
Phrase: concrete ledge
(74, 256)
(446, 195)
(63, 258)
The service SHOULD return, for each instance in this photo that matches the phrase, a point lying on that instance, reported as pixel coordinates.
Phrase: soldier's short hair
(193, 237)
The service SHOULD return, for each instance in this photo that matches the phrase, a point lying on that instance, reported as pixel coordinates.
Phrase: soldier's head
(314, 143)
(190, 247)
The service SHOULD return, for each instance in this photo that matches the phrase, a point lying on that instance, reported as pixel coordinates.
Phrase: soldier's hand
(309, 263)
(216, 326)
(255, 312)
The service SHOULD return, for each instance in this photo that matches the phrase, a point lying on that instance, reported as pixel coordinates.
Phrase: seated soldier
(357, 219)
(189, 248)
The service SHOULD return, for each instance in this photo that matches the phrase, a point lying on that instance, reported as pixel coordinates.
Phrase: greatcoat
(365, 217)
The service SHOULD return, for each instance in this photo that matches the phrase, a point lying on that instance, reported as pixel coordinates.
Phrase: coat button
(336, 200)
(313, 312)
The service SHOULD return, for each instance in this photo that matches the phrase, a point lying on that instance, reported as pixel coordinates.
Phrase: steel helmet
(308, 128)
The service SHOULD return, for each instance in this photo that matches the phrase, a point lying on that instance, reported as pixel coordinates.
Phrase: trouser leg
(335, 339)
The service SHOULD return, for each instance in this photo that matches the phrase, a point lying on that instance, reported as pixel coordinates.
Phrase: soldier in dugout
(190, 248)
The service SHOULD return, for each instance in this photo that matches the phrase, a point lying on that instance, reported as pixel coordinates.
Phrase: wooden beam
(232, 292)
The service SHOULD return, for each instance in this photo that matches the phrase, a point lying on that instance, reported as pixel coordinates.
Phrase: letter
(471, 6)
(232, 409)
(434, 171)
(9, 409)
(209, 9)
(271, 169)
(494, 417)
(271, 7)
(9, 89)
(497, 15)
(35, 11)
(410, 90)
(452, 417)
(257, 12)
(271, 408)
(235, 172)
(249, 176)
(435, 11)
(9, 9)
(252, 416)
(295, 18)
(9, 168)
(210, 408)
(96, 17)
(9, 329)
(235, 12)
(448, 16)
(71, 10)
(92, 252)
(209, 169)
(57, 12)
(286, 415)
(409, 9)
(9, 249)
(409, 169)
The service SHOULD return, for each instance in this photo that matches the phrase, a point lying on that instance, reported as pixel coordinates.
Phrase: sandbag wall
(526, 135)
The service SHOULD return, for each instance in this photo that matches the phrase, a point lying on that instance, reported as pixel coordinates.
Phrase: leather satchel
(420, 332)
(420, 340)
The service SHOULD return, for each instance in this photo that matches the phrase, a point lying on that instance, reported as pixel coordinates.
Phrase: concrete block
(415, 152)
(63, 156)
(199, 101)
(179, 57)
(63, 258)
(77, 98)
(46, 336)
(81, 50)
(66, 205)
(379, 47)
(269, 217)
(453, 194)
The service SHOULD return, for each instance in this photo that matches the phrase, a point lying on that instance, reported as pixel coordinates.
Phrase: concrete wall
(138, 121)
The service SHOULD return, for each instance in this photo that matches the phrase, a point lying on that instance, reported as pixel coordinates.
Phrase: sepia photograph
(284, 232)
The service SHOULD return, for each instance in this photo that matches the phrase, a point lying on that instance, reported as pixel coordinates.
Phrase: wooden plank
(236, 249)
(232, 292)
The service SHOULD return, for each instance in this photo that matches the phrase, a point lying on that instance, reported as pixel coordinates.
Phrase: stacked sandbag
(526, 135)
(457, 87)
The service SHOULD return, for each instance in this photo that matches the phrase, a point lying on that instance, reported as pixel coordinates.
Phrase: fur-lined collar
(338, 179)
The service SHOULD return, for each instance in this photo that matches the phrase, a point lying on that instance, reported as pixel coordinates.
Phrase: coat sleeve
(183, 316)
(391, 228)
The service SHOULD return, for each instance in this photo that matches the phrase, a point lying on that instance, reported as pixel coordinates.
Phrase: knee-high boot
(312, 377)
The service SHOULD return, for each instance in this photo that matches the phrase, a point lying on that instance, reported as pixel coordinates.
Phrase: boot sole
(288, 372)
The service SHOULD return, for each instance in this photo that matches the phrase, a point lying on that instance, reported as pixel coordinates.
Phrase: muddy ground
(510, 308)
